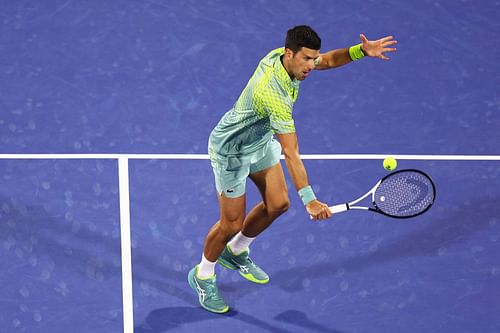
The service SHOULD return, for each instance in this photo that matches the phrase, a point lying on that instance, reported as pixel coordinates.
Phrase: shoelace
(250, 262)
(247, 260)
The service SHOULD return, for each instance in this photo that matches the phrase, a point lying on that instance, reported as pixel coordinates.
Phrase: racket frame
(352, 205)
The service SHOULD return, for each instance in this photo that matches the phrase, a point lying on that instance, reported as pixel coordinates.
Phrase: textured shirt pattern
(264, 107)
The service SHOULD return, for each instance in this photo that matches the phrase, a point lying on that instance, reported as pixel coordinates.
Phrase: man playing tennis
(243, 145)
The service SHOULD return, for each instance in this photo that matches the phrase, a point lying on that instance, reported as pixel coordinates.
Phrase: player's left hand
(378, 48)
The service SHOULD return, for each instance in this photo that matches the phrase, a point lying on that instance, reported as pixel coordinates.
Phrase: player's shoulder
(277, 52)
(266, 77)
(271, 57)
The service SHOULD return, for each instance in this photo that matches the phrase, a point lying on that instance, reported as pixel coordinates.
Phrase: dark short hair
(302, 36)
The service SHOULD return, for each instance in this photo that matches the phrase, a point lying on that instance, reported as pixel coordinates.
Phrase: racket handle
(339, 208)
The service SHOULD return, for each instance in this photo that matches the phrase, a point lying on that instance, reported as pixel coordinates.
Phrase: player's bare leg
(271, 184)
(232, 215)
(202, 277)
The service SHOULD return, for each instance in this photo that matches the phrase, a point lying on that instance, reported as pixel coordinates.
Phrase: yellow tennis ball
(390, 163)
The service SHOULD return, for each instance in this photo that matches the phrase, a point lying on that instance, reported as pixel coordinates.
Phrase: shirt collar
(291, 85)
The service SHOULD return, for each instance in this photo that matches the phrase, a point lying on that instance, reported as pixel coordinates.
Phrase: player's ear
(288, 53)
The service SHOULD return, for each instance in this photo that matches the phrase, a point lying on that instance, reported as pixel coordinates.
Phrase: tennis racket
(401, 194)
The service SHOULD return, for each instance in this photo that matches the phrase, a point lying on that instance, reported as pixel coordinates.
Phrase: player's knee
(284, 205)
(231, 226)
(278, 207)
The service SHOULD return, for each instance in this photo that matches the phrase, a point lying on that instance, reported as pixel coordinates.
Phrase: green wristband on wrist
(307, 194)
(356, 53)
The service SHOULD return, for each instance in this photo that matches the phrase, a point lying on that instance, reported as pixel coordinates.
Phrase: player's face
(302, 62)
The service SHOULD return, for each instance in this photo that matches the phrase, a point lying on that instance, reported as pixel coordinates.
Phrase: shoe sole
(191, 284)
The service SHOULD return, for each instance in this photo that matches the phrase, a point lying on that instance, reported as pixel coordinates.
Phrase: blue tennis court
(106, 191)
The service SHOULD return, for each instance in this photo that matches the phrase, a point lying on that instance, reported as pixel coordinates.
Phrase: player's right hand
(318, 210)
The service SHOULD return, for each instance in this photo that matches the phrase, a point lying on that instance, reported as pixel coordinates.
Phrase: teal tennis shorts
(231, 172)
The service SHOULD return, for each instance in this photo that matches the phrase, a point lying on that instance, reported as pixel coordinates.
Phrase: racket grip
(339, 208)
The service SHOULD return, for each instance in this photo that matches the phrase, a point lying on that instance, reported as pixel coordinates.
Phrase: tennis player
(243, 145)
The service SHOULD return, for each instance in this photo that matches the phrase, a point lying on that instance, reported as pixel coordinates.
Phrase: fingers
(382, 53)
(390, 49)
(385, 39)
(328, 212)
(324, 213)
(379, 47)
(392, 42)
(385, 47)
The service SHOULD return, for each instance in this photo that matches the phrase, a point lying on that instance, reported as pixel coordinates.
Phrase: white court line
(205, 157)
(123, 176)
(401, 157)
(126, 249)
(105, 156)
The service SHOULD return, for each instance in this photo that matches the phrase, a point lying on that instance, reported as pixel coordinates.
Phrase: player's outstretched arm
(339, 57)
(290, 147)
(378, 48)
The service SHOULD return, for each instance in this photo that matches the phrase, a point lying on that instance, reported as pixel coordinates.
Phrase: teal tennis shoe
(244, 265)
(208, 293)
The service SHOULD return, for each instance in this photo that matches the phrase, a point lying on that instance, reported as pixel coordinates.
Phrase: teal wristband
(356, 53)
(307, 194)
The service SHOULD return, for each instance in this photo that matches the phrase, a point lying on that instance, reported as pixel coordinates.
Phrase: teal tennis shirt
(264, 107)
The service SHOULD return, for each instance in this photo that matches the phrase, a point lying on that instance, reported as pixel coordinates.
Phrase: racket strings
(404, 194)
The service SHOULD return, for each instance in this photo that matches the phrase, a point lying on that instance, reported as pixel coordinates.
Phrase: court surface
(101, 239)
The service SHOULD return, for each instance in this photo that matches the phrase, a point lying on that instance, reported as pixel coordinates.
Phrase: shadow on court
(465, 221)
(169, 318)
(162, 320)
(301, 320)
(165, 319)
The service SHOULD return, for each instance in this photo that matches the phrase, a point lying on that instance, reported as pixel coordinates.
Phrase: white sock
(240, 243)
(206, 268)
